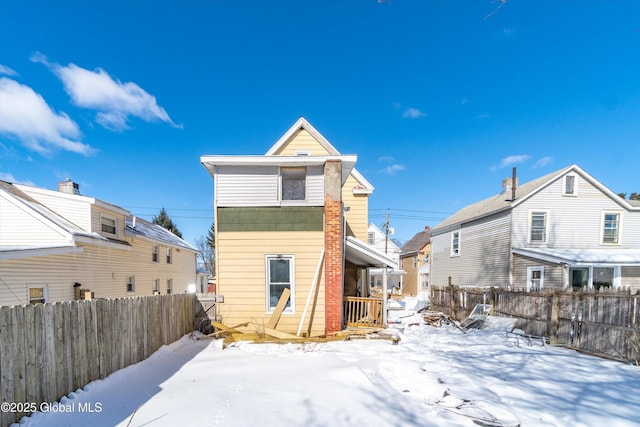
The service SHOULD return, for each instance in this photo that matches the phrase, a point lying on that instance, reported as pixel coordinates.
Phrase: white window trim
(546, 226)
(306, 187)
(530, 271)
(292, 286)
(371, 237)
(169, 286)
(133, 285)
(453, 233)
(45, 292)
(115, 224)
(155, 250)
(169, 256)
(602, 217)
(575, 185)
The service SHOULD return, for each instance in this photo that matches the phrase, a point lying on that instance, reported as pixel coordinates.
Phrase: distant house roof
(503, 201)
(417, 242)
(302, 123)
(143, 228)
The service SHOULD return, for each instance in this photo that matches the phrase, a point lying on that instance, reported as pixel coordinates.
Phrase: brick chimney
(333, 246)
(68, 187)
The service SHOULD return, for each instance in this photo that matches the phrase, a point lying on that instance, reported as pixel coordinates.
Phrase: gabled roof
(417, 242)
(302, 123)
(137, 227)
(390, 243)
(501, 202)
(40, 210)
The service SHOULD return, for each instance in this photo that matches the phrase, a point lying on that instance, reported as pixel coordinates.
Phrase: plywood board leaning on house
(282, 303)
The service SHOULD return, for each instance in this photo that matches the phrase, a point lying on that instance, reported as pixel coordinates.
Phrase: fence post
(492, 299)
(555, 318)
(452, 300)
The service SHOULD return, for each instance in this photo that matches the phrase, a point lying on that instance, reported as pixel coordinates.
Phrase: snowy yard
(433, 377)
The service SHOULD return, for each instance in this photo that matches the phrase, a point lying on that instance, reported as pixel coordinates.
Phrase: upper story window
(372, 238)
(293, 183)
(611, 228)
(569, 188)
(169, 255)
(455, 243)
(538, 227)
(154, 253)
(108, 225)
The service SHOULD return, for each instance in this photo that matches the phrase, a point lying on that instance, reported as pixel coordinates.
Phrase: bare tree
(207, 247)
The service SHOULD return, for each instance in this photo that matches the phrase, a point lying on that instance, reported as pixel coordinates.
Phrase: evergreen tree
(164, 221)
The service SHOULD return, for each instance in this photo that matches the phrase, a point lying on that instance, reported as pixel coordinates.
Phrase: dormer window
(569, 188)
(108, 225)
(293, 183)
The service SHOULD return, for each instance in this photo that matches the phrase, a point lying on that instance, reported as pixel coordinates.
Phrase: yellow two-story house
(295, 218)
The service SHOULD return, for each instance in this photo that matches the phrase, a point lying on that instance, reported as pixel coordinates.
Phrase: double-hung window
(280, 276)
(610, 228)
(169, 255)
(156, 286)
(169, 286)
(372, 238)
(108, 225)
(569, 188)
(455, 243)
(538, 227)
(293, 183)
(154, 253)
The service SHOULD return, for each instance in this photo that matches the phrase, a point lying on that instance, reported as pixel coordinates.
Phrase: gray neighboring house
(563, 230)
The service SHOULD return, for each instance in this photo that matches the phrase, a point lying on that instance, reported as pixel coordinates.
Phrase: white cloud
(113, 100)
(4, 70)
(511, 160)
(413, 113)
(27, 117)
(392, 169)
(543, 161)
(10, 178)
(386, 159)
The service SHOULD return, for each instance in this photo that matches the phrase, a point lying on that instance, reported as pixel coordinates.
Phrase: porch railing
(363, 312)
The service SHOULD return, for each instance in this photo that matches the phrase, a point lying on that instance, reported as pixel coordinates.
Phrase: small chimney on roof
(510, 184)
(68, 187)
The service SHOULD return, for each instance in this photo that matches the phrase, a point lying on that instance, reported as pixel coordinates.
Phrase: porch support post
(384, 296)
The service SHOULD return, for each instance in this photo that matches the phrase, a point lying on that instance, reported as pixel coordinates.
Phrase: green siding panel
(286, 218)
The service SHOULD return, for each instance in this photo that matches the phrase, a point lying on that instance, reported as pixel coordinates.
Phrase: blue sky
(439, 98)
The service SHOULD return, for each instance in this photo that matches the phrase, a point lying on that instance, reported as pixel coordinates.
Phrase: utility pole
(386, 232)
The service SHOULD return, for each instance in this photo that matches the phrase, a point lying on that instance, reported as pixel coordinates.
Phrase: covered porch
(361, 309)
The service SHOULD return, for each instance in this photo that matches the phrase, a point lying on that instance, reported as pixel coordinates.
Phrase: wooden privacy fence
(50, 350)
(605, 324)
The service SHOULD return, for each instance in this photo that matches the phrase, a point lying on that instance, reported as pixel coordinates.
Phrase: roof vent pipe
(133, 222)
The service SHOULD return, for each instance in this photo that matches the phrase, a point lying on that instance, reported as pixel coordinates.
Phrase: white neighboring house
(53, 242)
(379, 241)
(564, 230)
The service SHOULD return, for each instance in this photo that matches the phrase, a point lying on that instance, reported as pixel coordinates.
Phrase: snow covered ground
(433, 377)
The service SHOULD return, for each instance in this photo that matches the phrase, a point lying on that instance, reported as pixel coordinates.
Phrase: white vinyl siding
(573, 222)
(484, 254)
(19, 226)
(76, 209)
(259, 186)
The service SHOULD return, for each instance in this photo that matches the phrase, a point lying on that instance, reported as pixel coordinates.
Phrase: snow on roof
(154, 232)
(613, 256)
